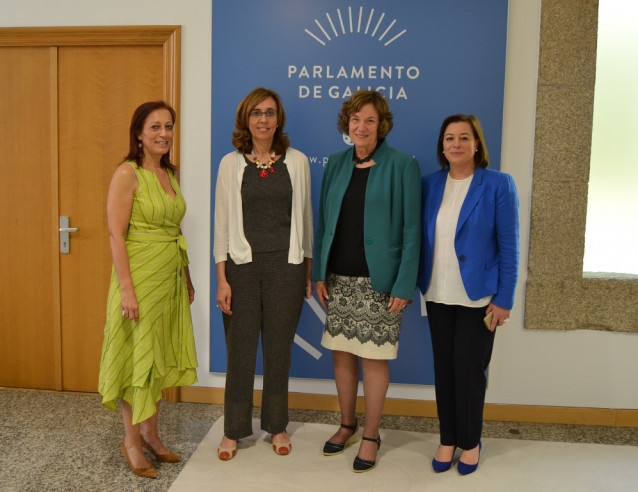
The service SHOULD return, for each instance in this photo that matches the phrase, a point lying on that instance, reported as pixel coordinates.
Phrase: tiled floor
(68, 442)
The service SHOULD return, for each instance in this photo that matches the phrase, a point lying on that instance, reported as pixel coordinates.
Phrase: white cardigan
(229, 238)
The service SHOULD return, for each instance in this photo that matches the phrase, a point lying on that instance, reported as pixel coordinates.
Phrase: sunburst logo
(365, 23)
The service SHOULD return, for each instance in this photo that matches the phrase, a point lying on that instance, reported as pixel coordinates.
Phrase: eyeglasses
(269, 113)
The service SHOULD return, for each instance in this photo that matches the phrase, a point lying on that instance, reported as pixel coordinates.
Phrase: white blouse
(446, 286)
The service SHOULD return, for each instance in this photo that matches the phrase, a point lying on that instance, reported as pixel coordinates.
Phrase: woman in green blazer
(366, 259)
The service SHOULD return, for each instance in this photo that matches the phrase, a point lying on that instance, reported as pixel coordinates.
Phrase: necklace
(367, 158)
(264, 167)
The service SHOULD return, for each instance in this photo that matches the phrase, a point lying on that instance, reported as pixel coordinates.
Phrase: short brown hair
(481, 156)
(354, 105)
(242, 138)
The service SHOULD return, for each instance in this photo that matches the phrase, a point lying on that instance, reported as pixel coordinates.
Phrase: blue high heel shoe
(465, 469)
(442, 466)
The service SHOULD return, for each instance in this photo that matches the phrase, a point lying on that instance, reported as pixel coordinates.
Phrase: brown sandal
(167, 457)
(146, 472)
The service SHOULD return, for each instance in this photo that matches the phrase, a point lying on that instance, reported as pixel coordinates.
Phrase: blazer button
(462, 258)
(368, 240)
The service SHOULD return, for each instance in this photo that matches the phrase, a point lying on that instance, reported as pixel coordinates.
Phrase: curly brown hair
(354, 105)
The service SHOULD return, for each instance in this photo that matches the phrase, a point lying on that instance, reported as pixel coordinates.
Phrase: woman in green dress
(148, 337)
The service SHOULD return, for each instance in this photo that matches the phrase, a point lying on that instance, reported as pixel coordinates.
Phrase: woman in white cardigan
(263, 255)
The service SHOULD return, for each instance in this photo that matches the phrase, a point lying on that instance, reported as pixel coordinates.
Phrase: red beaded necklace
(266, 167)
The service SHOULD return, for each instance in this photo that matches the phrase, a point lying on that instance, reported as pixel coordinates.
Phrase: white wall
(580, 368)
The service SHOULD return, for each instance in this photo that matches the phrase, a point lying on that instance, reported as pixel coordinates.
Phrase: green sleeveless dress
(140, 359)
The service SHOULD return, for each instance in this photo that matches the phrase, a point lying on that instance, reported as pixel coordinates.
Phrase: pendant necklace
(367, 158)
(264, 167)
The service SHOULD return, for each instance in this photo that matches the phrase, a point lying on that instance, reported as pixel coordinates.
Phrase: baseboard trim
(427, 408)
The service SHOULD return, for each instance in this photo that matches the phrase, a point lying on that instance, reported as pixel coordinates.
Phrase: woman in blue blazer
(468, 273)
(366, 263)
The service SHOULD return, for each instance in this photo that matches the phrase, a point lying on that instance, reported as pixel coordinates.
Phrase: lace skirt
(358, 319)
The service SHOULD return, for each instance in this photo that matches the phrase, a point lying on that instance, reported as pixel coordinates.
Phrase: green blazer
(392, 218)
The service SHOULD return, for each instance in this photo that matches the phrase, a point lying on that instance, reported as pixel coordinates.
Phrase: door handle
(64, 234)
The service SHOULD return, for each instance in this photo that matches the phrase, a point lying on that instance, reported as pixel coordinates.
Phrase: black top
(347, 254)
(266, 207)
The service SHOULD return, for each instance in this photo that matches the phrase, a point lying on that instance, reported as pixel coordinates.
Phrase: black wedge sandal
(360, 465)
(334, 448)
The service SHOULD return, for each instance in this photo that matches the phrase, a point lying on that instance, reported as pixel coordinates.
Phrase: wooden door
(29, 312)
(95, 84)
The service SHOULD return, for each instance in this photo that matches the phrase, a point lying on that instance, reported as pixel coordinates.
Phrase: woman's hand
(308, 265)
(224, 293)
(500, 316)
(130, 308)
(224, 297)
(322, 292)
(396, 304)
(308, 288)
(189, 284)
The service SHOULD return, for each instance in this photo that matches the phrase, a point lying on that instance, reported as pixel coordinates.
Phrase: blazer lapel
(435, 201)
(473, 195)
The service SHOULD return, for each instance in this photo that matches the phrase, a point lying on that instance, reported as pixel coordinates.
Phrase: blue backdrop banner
(430, 58)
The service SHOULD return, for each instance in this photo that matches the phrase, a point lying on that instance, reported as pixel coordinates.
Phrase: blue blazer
(392, 218)
(487, 238)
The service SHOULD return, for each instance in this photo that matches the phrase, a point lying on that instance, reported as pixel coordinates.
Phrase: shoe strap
(351, 427)
(377, 440)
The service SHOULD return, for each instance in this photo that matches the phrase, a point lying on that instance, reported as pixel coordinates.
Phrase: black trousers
(462, 348)
(267, 298)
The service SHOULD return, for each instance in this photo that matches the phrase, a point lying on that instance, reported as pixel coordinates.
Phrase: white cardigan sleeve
(301, 230)
(229, 224)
